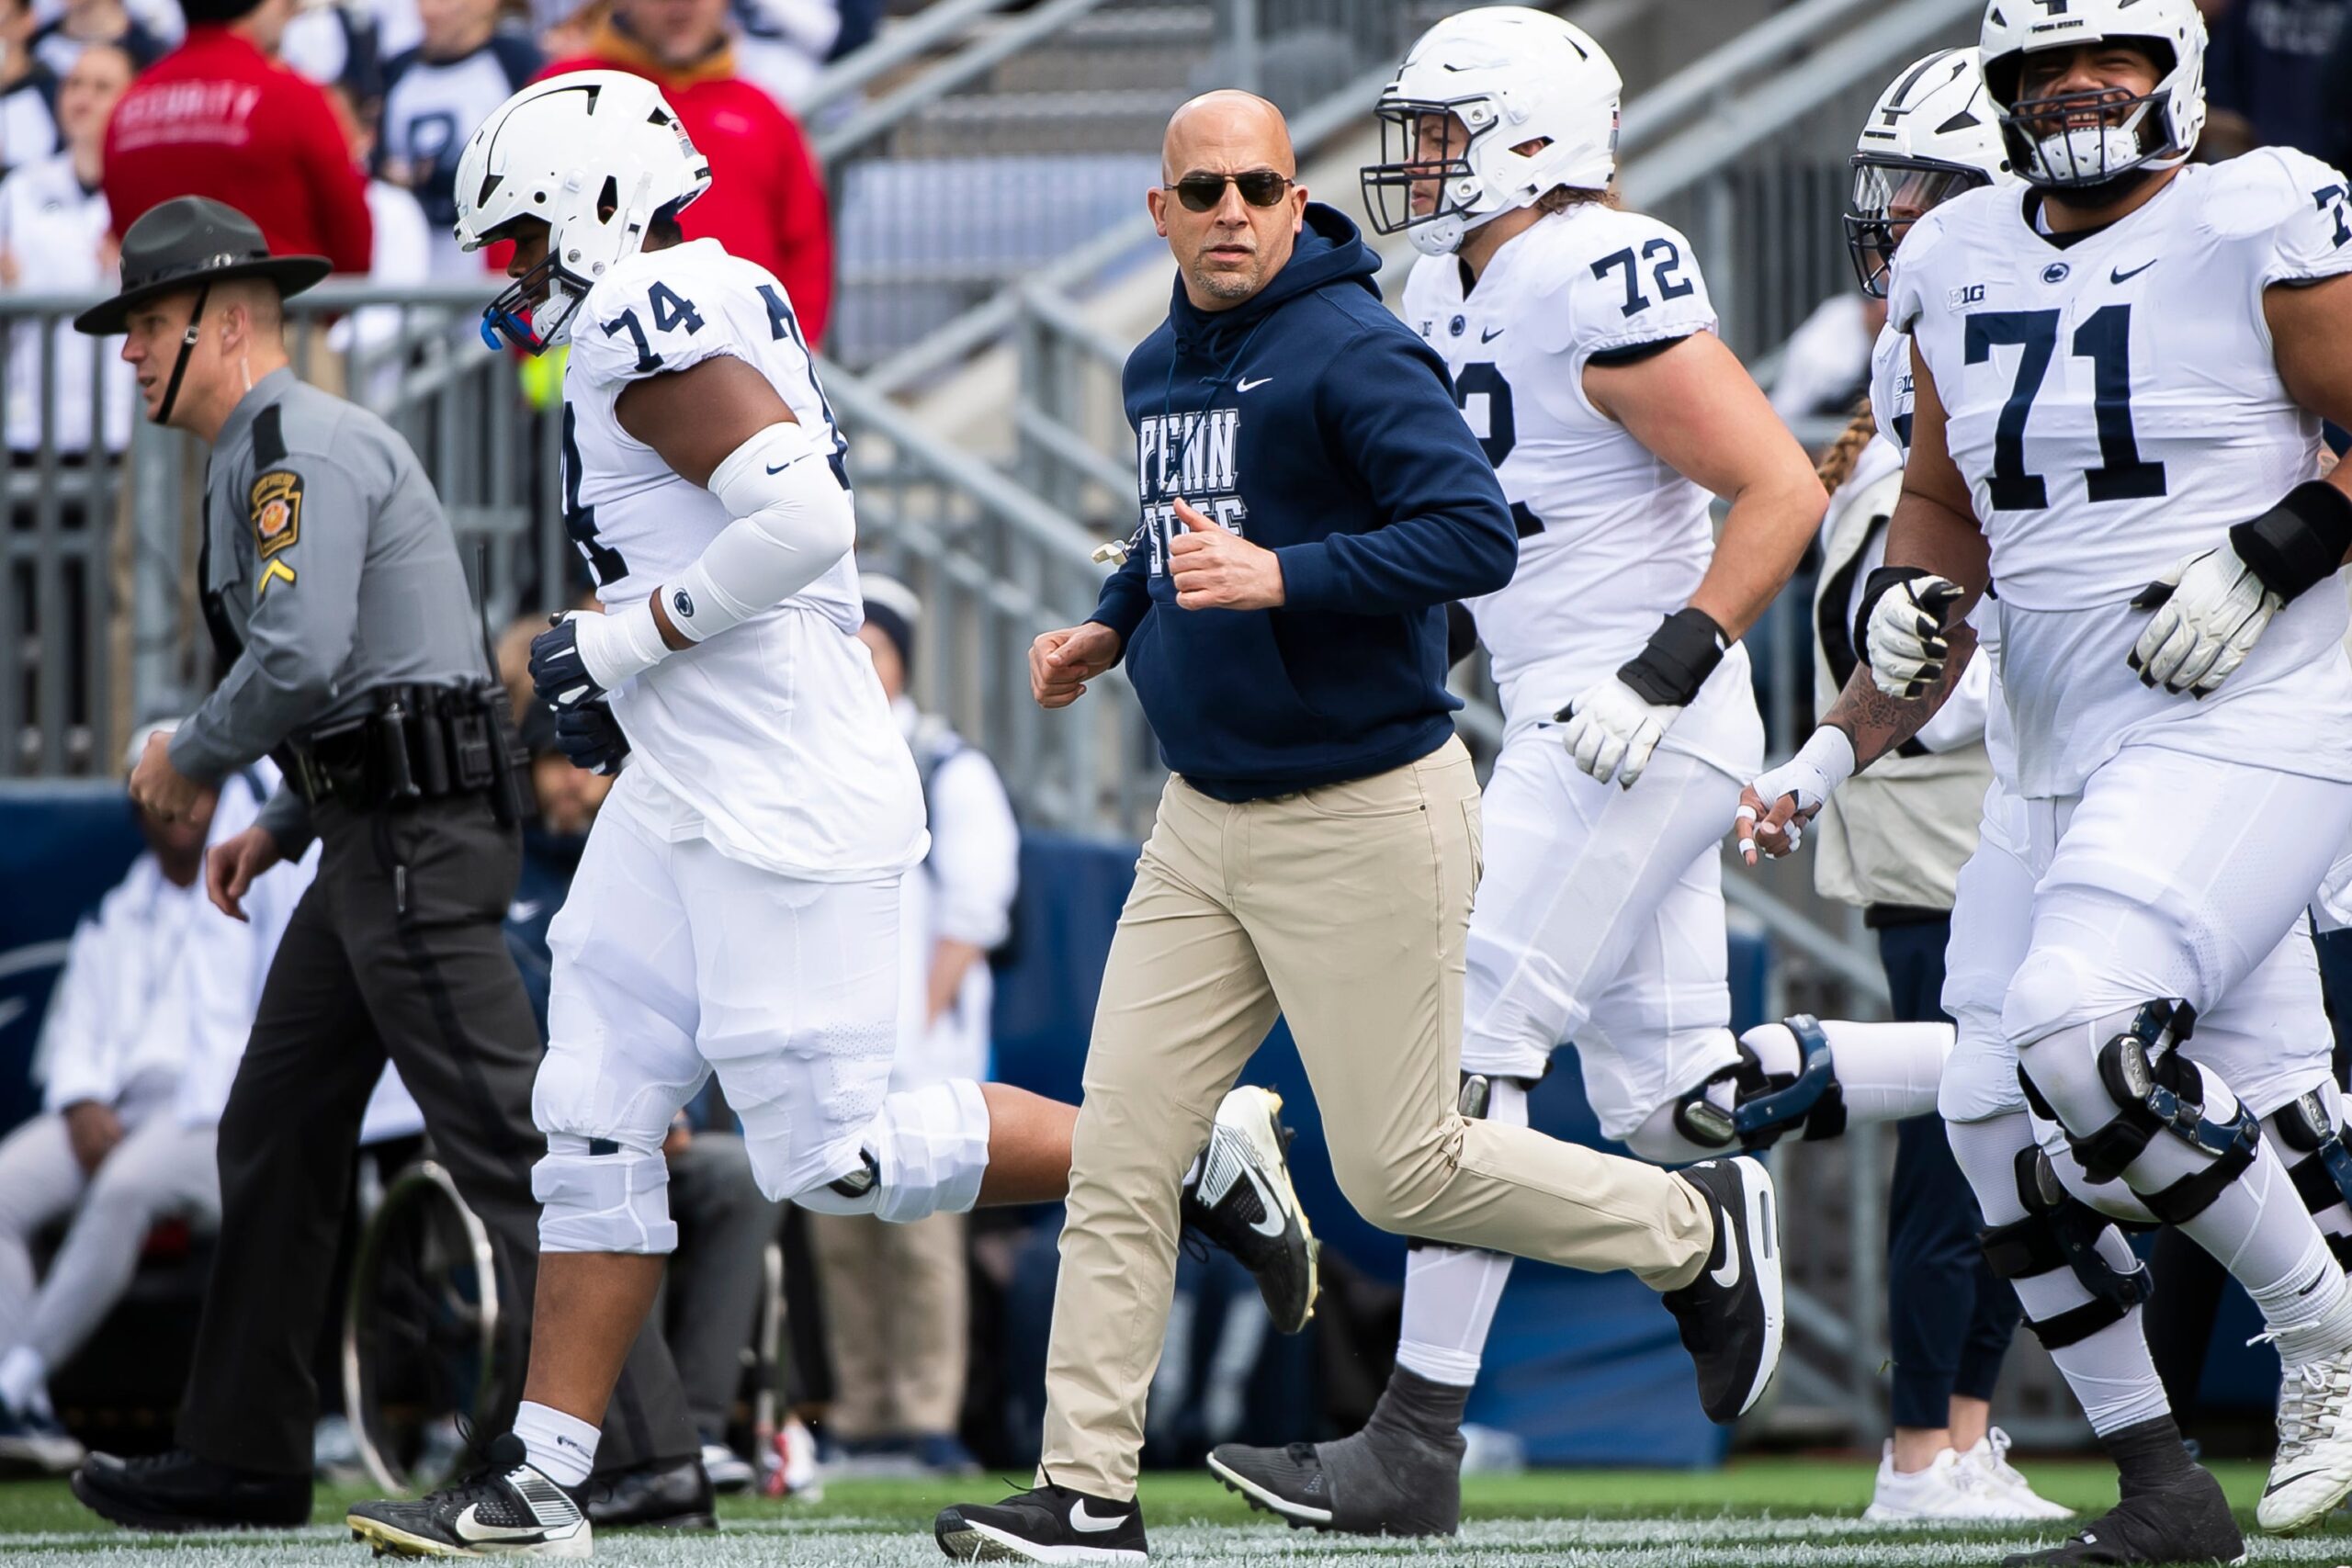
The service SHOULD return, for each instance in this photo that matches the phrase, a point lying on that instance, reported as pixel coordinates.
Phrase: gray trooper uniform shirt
(328, 570)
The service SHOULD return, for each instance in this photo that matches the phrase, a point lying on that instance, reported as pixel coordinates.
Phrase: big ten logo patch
(1191, 455)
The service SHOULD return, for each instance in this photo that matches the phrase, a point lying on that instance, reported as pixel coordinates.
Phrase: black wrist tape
(1678, 658)
(2299, 543)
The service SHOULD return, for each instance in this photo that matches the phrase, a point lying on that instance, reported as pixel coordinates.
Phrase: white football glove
(1905, 641)
(2209, 610)
(1812, 776)
(1612, 729)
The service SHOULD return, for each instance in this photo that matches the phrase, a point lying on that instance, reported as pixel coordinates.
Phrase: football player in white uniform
(736, 909)
(2180, 706)
(1902, 837)
(1583, 351)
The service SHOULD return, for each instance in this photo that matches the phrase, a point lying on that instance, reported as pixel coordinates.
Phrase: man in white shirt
(54, 223)
(896, 1295)
(141, 1042)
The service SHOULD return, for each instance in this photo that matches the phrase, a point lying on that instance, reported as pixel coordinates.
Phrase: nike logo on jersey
(2117, 274)
(1245, 384)
(1485, 335)
(520, 910)
(781, 466)
(1086, 1523)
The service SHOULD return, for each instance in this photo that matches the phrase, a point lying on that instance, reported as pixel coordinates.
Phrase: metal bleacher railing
(1743, 148)
(999, 143)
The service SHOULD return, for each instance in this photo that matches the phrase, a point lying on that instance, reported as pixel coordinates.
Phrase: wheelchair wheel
(422, 1354)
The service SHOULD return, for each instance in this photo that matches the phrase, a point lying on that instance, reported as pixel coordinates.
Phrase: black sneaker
(1730, 1316)
(1052, 1524)
(503, 1507)
(177, 1491)
(1242, 1201)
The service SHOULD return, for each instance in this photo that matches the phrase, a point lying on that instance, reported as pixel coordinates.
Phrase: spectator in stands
(53, 241)
(434, 96)
(219, 117)
(861, 19)
(2268, 79)
(896, 1295)
(83, 23)
(334, 43)
(1827, 365)
(782, 44)
(141, 1040)
(764, 203)
(402, 259)
(28, 91)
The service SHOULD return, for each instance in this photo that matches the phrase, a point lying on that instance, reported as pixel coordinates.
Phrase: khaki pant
(1343, 909)
(896, 1305)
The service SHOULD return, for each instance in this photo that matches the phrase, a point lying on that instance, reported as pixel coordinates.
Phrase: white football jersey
(772, 739)
(1612, 539)
(2115, 405)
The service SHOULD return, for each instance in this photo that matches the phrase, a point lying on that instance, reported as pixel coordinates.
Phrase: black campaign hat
(193, 240)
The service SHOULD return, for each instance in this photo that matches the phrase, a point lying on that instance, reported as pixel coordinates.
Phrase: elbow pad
(792, 523)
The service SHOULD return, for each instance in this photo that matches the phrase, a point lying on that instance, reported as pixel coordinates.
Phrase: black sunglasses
(1203, 193)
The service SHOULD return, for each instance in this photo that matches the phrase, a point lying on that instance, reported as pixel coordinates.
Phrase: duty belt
(414, 743)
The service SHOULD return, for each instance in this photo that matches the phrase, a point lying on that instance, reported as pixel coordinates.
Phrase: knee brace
(2156, 1090)
(601, 1195)
(924, 1153)
(1776, 1099)
(2323, 1173)
(2061, 1232)
(1473, 1101)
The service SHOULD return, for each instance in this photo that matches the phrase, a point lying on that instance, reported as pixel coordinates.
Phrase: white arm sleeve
(792, 522)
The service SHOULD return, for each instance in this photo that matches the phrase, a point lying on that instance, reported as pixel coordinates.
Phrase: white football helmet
(599, 155)
(1513, 76)
(2156, 130)
(1932, 134)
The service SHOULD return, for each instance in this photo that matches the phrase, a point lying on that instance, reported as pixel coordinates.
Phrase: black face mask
(1878, 183)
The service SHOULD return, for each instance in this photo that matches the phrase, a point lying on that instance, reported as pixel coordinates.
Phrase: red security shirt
(764, 203)
(217, 117)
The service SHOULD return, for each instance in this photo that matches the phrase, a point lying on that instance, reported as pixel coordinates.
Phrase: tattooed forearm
(1877, 723)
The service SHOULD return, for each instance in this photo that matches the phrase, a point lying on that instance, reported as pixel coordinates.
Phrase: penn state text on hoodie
(1311, 421)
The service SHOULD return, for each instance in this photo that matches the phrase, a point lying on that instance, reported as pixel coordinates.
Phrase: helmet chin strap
(179, 366)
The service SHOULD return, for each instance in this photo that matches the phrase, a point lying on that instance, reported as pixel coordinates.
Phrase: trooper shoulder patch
(277, 505)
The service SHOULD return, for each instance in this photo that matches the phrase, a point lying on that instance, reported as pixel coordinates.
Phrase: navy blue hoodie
(1310, 421)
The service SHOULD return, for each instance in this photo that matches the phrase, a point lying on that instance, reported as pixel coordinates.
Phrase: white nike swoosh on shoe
(1269, 1223)
(467, 1528)
(1726, 1273)
(1086, 1523)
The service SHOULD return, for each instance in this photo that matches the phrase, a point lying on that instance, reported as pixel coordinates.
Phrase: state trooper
(349, 650)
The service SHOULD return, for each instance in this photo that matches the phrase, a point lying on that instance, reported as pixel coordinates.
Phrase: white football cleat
(2312, 1470)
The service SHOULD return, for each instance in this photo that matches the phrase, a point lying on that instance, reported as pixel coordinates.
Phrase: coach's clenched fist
(1061, 663)
(1216, 569)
